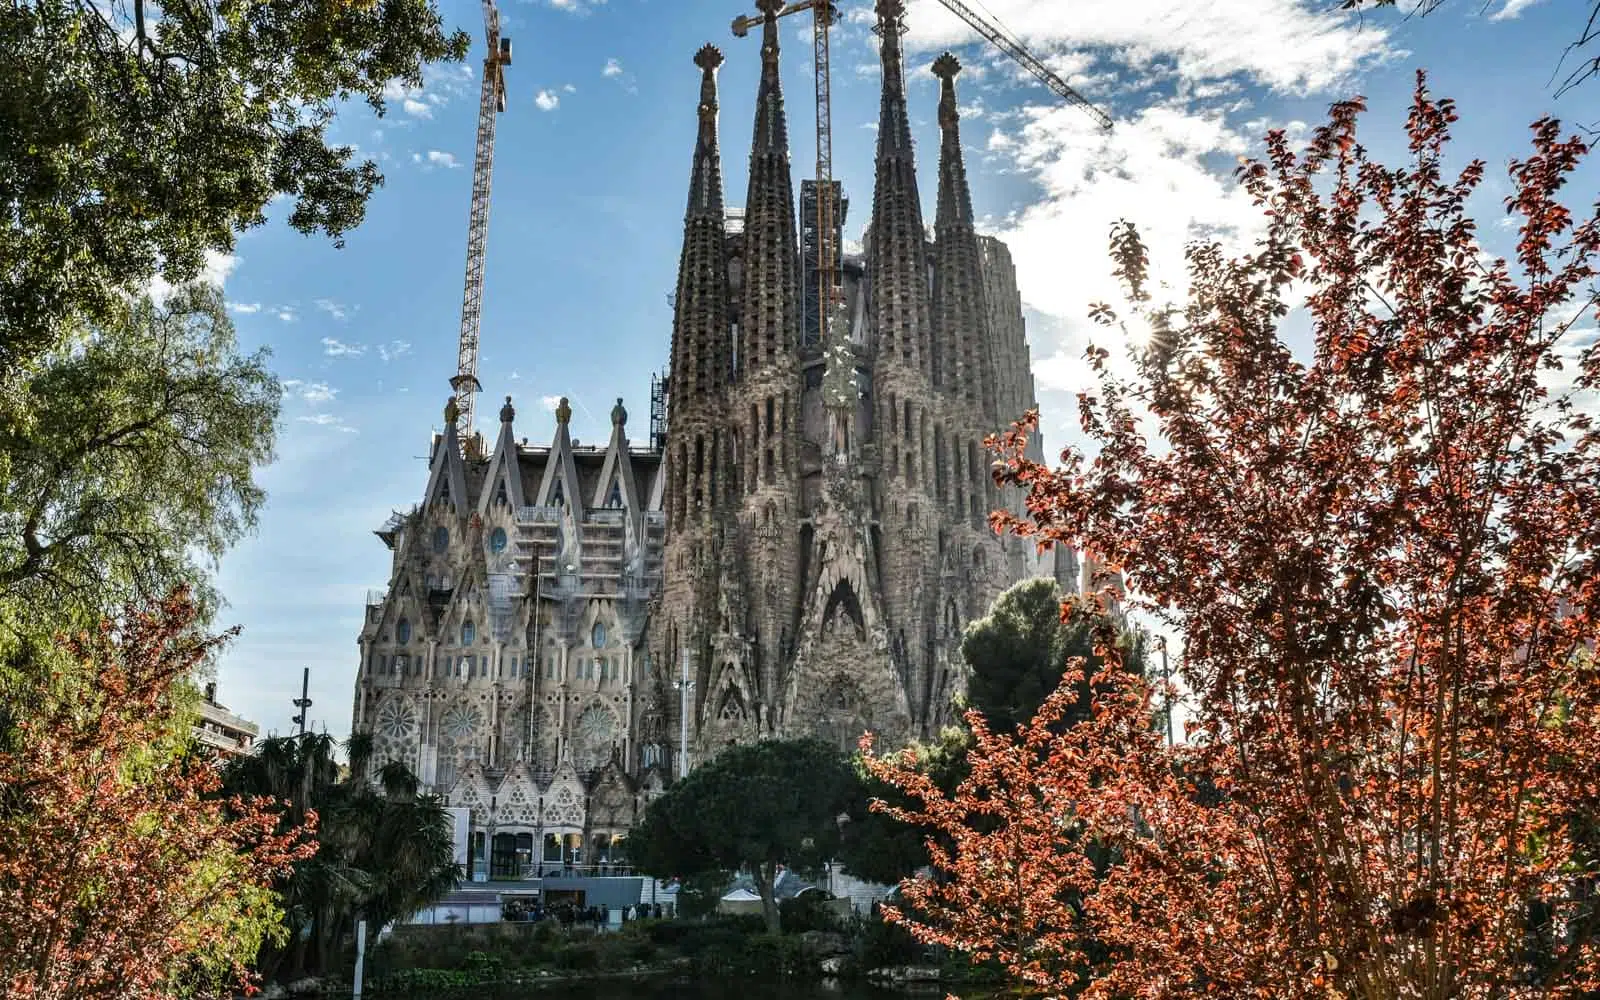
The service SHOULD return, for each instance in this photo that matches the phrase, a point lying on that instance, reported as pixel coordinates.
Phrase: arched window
(557, 498)
(441, 538)
(402, 631)
(468, 633)
(597, 636)
(497, 540)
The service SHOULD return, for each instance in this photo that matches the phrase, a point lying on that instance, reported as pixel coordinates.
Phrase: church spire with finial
(896, 268)
(959, 315)
(770, 305)
(702, 347)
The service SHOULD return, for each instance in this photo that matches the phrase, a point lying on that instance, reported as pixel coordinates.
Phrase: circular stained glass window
(497, 540)
(441, 538)
(460, 722)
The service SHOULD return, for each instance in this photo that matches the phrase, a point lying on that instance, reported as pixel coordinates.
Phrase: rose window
(397, 720)
(460, 722)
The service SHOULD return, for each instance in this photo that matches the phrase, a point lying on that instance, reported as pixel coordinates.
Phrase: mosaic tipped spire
(700, 347)
(770, 309)
(897, 273)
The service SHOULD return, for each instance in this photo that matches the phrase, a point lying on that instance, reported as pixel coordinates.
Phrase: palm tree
(384, 851)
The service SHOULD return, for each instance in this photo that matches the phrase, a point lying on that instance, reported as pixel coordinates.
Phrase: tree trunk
(766, 875)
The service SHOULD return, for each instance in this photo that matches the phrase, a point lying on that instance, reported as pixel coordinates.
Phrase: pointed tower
(897, 267)
(765, 407)
(701, 338)
(912, 445)
(961, 318)
(699, 443)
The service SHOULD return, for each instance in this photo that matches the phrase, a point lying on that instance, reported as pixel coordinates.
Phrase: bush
(757, 957)
(882, 944)
(582, 957)
(807, 912)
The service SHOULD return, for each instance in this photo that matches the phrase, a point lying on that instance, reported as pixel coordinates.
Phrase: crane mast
(1002, 40)
(491, 102)
(823, 15)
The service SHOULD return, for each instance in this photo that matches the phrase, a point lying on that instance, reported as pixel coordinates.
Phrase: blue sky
(591, 168)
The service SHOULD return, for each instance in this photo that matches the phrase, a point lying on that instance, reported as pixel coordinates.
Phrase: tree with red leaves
(1384, 558)
(122, 874)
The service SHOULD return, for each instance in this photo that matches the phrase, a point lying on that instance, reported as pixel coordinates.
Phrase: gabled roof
(503, 467)
(447, 475)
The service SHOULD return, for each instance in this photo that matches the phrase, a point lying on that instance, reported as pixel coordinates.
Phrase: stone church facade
(798, 556)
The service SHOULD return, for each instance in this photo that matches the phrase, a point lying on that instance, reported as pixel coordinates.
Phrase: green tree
(1016, 658)
(129, 462)
(1017, 654)
(880, 848)
(137, 138)
(753, 806)
(121, 873)
(383, 850)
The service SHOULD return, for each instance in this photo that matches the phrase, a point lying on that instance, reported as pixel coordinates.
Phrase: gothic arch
(844, 602)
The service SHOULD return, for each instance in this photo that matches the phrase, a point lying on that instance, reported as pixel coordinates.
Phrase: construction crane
(492, 102)
(823, 15)
(1003, 41)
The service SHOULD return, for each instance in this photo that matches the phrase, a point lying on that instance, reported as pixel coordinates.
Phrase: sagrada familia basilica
(796, 552)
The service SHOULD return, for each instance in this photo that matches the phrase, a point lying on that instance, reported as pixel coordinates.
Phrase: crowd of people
(569, 914)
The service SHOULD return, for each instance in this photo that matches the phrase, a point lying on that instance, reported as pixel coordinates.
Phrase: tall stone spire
(701, 338)
(897, 269)
(770, 314)
(964, 365)
(765, 403)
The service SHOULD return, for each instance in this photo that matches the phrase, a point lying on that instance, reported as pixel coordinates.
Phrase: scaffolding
(658, 409)
(811, 247)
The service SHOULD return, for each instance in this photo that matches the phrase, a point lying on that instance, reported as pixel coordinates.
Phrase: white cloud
(440, 85)
(338, 349)
(579, 7)
(327, 420)
(244, 308)
(285, 313)
(550, 402)
(442, 159)
(214, 271)
(515, 376)
(614, 67)
(547, 100)
(1512, 9)
(314, 392)
(569, 88)
(393, 349)
(1289, 45)
(332, 308)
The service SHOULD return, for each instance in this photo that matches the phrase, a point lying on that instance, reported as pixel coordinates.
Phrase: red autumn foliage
(121, 873)
(1385, 563)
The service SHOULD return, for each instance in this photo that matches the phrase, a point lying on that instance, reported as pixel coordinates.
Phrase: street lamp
(684, 686)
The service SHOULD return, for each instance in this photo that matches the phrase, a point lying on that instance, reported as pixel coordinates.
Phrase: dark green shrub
(883, 944)
(580, 957)
(807, 912)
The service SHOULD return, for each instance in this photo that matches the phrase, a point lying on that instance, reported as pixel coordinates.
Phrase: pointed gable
(447, 475)
(560, 484)
(503, 482)
(615, 487)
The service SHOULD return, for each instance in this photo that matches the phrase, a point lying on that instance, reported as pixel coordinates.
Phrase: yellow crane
(1001, 39)
(823, 15)
(491, 102)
